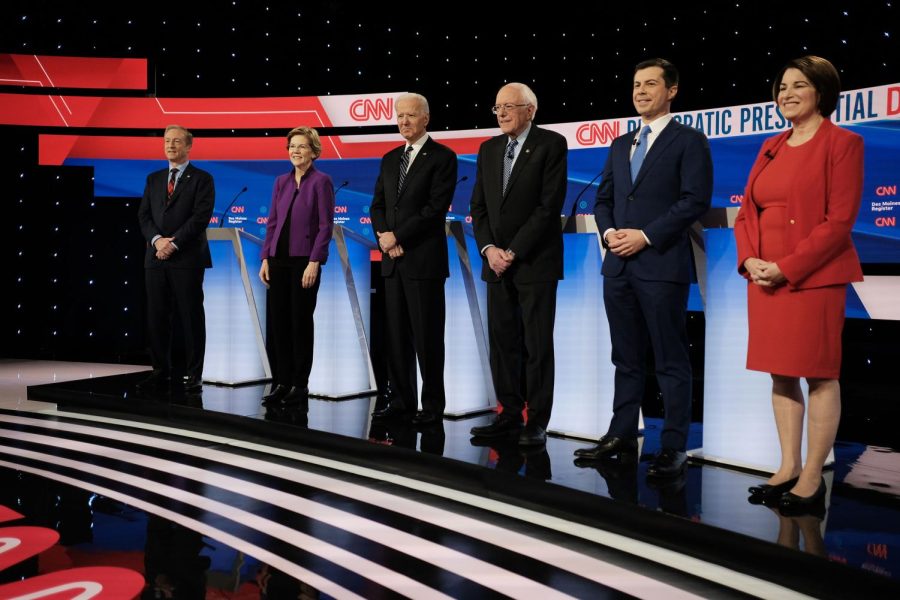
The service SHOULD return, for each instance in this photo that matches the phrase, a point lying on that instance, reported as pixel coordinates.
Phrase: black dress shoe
(766, 493)
(668, 462)
(192, 384)
(425, 417)
(791, 504)
(274, 397)
(296, 396)
(157, 381)
(606, 446)
(533, 435)
(392, 410)
(501, 425)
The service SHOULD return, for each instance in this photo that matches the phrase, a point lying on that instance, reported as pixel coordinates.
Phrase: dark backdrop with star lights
(72, 276)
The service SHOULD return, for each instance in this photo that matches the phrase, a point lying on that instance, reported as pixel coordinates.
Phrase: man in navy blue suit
(657, 181)
(174, 213)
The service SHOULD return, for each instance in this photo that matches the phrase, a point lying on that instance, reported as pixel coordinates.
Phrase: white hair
(526, 93)
(423, 102)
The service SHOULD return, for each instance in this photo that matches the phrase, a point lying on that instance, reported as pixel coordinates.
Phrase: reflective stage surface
(214, 492)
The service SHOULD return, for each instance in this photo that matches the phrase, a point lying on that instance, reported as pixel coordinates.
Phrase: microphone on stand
(342, 186)
(230, 204)
(571, 217)
(463, 178)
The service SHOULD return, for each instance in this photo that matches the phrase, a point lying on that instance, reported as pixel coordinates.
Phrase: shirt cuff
(646, 239)
(483, 250)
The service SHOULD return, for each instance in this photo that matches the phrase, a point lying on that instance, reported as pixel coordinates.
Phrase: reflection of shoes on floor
(668, 485)
(607, 445)
(793, 505)
(275, 396)
(157, 381)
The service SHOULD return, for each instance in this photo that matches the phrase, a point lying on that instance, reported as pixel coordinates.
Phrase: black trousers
(291, 308)
(520, 326)
(415, 311)
(170, 292)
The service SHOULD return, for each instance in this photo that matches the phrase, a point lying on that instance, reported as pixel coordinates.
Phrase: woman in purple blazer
(297, 235)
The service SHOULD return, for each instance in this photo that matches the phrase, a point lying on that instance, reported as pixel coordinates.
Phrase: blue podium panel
(341, 364)
(583, 396)
(738, 425)
(235, 311)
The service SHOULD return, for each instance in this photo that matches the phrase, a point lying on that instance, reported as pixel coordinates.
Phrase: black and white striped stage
(214, 497)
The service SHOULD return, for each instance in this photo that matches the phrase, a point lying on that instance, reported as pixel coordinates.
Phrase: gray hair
(188, 136)
(423, 102)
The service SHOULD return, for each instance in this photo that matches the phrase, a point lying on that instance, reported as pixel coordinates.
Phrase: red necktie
(171, 188)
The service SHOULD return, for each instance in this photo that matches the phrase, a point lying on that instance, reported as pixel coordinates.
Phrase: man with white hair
(519, 191)
(409, 208)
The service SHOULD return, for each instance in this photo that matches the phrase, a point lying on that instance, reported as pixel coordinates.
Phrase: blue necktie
(404, 166)
(508, 162)
(639, 153)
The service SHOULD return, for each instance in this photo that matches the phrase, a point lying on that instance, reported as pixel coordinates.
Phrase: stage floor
(214, 491)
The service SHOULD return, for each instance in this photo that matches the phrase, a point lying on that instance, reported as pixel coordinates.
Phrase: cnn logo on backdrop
(372, 109)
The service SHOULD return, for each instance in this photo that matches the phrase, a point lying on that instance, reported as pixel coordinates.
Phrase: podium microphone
(342, 186)
(463, 178)
(230, 204)
(571, 217)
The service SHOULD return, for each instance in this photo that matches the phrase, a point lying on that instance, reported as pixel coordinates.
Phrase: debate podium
(235, 303)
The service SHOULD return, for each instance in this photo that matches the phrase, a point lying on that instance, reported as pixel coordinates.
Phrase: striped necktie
(171, 188)
(508, 162)
(404, 167)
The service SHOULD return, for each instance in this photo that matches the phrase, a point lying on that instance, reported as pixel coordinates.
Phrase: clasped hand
(164, 248)
(389, 244)
(764, 273)
(499, 260)
(626, 242)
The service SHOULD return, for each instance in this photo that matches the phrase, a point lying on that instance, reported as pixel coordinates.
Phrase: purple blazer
(312, 218)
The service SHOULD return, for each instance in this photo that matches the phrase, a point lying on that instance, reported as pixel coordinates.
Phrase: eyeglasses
(298, 147)
(507, 107)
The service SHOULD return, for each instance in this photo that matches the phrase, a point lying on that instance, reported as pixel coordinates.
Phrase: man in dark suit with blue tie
(657, 181)
(409, 208)
(174, 214)
(520, 185)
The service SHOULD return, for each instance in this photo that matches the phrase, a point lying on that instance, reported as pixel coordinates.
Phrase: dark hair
(823, 77)
(670, 73)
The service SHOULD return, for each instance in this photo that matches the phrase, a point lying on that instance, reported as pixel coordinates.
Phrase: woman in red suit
(794, 248)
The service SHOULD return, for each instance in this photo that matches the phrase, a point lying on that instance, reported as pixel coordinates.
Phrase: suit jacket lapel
(666, 136)
(625, 161)
(521, 160)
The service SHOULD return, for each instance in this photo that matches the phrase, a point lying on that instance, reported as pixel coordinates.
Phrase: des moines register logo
(18, 544)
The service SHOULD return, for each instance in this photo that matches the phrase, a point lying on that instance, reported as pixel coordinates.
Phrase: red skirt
(796, 333)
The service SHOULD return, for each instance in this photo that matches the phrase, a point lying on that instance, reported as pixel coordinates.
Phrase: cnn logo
(367, 109)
